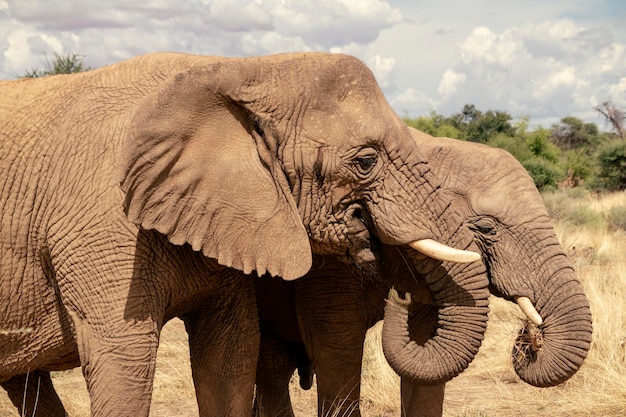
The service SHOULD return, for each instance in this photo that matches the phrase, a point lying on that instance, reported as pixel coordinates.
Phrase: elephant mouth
(359, 224)
(364, 246)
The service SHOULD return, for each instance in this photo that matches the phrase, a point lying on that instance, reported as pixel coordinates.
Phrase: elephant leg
(274, 370)
(224, 340)
(119, 369)
(421, 400)
(338, 379)
(34, 395)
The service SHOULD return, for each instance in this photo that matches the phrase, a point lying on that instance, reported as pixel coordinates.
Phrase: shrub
(545, 174)
(579, 166)
(515, 145)
(583, 216)
(612, 166)
(616, 218)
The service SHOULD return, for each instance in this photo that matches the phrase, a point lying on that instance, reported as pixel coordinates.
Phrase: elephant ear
(195, 167)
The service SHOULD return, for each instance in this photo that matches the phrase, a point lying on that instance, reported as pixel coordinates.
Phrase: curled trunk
(462, 321)
(549, 354)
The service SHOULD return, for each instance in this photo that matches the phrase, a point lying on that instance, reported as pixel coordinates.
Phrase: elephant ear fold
(190, 169)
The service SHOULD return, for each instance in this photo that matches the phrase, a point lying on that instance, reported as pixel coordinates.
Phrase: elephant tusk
(442, 252)
(529, 310)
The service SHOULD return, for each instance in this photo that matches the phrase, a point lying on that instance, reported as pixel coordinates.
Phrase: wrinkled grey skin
(522, 256)
(130, 193)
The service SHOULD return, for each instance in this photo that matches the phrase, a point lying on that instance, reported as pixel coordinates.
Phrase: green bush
(545, 174)
(612, 166)
(616, 218)
(579, 166)
(583, 216)
(515, 145)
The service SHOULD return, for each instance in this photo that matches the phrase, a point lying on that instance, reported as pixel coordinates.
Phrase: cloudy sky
(543, 59)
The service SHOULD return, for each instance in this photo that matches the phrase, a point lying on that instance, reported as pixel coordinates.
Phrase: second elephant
(523, 262)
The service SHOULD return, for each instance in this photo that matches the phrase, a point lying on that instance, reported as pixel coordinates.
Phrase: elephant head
(258, 162)
(504, 213)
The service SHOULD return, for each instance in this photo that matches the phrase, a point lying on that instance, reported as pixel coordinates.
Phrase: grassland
(591, 228)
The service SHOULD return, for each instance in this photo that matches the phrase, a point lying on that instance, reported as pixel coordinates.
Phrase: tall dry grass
(489, 387)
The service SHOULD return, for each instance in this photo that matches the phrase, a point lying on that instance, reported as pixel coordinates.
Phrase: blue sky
(532, 58)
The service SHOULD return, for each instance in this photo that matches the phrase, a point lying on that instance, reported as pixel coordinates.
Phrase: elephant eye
(366, 161)
(485, 227)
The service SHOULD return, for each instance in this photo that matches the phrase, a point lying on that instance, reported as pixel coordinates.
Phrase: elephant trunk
(462, 321)
(549, 354)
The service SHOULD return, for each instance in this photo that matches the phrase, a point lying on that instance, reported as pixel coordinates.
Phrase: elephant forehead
(510, 202)
(346, 129)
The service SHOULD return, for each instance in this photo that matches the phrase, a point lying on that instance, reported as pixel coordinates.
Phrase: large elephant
(331, 308)
(130, 193)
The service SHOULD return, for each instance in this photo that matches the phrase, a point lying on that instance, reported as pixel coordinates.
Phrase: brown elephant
(324, 316)
(130, 193)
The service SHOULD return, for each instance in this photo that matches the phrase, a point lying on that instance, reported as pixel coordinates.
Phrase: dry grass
(489, 387)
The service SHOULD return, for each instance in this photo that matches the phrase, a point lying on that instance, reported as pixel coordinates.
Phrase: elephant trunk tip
(528, 343)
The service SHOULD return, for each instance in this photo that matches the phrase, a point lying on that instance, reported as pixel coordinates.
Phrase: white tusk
(529, 310)
(442, 252)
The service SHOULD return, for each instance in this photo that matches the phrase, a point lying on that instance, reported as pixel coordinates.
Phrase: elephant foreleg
(118, 364)
(34, 395)
(223, 348)
(274, 370)
(422, 401)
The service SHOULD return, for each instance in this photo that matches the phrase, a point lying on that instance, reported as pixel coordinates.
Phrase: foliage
(546, 174)
(435, 125)
(538, 142)
(61, 64)
(516, 146)
(612, 166)
(579, 167)
(477, 126)
(573, 133)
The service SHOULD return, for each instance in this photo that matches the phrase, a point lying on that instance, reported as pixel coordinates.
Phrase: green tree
(435, 125)
(612, 166)
(573, 133)
(538, 142)
(579, 166)
(477, 126)
(61, 64)
(545, 174)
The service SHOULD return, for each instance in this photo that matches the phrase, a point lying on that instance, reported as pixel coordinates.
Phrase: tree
(61, 64)
(612, 165)
(613, 115)
(477, 126)
(573, 133)
(435, 125)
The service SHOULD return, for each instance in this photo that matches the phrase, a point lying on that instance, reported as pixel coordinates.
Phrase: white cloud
(382, 68)
(240, 17)
(412, 101)
(450, 81)
(521, 57)
(556, 67)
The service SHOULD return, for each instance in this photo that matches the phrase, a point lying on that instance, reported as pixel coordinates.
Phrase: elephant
(136, 192)
(324, 316)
